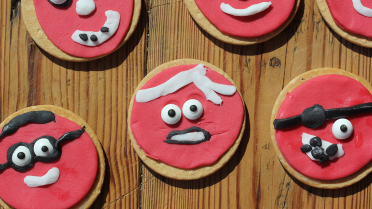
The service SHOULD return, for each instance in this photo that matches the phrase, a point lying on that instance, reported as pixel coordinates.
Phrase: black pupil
(44, 148)
(343, 128)
(193, 108)
(21, 155)
(171, 113)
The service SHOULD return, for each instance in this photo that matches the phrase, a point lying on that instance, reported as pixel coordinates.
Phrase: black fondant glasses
(22, 156)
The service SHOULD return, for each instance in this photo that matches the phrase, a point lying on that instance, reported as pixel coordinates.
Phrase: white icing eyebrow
(195, 75)
(251, 10)
(358, 6)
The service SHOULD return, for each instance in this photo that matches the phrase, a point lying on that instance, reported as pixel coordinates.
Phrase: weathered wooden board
(99, 91)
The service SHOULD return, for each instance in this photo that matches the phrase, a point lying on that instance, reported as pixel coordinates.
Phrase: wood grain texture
(99, 92)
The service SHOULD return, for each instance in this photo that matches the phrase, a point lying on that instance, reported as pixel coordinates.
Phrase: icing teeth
(93, 38)
(104, 29)
(83, 37)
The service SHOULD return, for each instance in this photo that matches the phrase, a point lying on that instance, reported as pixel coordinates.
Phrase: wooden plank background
(99, 91)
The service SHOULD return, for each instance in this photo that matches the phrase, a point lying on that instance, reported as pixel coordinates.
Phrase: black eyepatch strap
(315, 116)
(40, 117)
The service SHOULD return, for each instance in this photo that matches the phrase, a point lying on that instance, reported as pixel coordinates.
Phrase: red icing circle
(60, 23)
(329, 91)
(223, 122)
(249, 26)
(77, 166)
(349, 19)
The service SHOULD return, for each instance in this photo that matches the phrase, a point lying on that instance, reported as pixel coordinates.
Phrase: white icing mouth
(358, 6)
(90, 38)
(49, 178)
(191, 137)
(251, 10)
(306, 140)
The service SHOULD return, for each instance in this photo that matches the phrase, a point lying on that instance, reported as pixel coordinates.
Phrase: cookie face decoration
(186, 116)
(249, 21)
(80, 30)
(47, 161)
(322, 126)
(352, 15)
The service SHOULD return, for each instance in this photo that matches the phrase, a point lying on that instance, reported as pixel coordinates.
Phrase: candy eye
(43, 148)
(60, 3)
(192, 109)
(171, 114)
(21, 156)
(342, 129)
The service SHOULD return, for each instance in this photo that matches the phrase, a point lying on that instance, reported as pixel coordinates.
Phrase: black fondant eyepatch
(315, 116)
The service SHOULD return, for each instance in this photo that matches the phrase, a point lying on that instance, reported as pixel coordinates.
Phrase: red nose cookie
(321, 128)
(243, 22)
(80, 30)
(349, 19)
(50, 159)
(186, 119)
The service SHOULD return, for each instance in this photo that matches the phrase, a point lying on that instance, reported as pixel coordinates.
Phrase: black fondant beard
(207, 136)
(315, 116)
(57, 151)
(40, 117)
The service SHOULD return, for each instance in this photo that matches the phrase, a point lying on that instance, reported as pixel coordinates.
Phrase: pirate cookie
(186, 119)
(80, 30)
(243, 22)
(50, 159)
(321, 127)
(349, 19)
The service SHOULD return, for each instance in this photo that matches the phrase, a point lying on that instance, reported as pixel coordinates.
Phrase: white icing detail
(49, 178)
(358, 6)
(165, 116)
(192, 137)
(112, 23)
(39, 144)
(58, 1)
(336, 131)
(85, 7)
(251, 10)
(195, 75)
(190, 114)
(24, 161)
(306, 140)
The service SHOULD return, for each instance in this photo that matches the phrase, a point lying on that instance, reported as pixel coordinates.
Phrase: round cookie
(58, 146)
(307, 111)
(347, 30)
(175, 130)
(56, 38)
(243, 30)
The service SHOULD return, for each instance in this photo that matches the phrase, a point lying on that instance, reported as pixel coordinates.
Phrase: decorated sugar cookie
(243, 22)
(321, 128)
(349, 18)
(80, 30)
(186, 119)
(50, 159)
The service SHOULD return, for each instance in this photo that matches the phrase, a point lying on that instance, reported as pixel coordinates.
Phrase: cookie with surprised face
(51, 159)
(80, 30)
(349, 18)
(186, 119)
(243, 22)
(321, 128)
